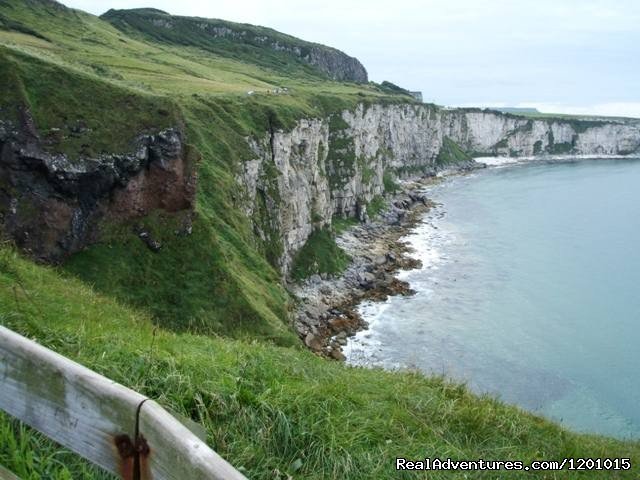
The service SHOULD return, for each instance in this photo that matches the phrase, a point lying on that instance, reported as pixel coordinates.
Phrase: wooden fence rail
(110, 425)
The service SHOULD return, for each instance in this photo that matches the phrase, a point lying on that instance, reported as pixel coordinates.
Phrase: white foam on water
(498, 161)
(504, 161)
(426, 242)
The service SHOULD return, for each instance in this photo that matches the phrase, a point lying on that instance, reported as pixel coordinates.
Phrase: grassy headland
(202, 326)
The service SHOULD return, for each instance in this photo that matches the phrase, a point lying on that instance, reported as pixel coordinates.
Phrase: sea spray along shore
(179, 172)
(327, 311)
(498, 161)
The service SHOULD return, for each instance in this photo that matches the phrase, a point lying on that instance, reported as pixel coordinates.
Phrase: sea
(529, 290)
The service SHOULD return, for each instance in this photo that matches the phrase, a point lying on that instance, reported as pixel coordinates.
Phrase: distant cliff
(301, 178)
(258, 45)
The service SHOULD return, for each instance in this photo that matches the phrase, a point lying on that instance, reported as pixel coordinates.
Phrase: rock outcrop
(52, 206)
(336, 64)
(300, 179)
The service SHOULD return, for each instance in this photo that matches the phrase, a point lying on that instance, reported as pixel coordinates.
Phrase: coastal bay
(526, 291)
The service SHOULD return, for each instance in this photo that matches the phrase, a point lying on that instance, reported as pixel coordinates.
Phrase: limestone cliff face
(493, 133)
(300, 179)
(288, 188)
(52, 206)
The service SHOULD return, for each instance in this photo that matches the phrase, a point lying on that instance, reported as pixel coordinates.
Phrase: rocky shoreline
(326, 313)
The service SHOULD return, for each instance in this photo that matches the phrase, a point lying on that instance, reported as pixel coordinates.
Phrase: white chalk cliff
(300, 179)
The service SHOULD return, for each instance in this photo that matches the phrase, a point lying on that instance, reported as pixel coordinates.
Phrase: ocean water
(529, 290)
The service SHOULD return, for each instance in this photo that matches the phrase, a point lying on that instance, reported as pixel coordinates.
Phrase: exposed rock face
(51, 206)
(337, 65)
(296, 182)
(336, 166)
(288, 180)
(492, 133)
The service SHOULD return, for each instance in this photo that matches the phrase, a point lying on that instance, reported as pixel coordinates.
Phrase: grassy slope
(215, 280)
(248, 47)
(450, 154)
(266, 407)
(569, 116)
(85, 42)
(66, 101)
(81, 69)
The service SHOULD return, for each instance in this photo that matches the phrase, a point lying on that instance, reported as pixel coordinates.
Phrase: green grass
(368, 174)
(451, 153)
(389, 183)
(320, 254)
(376, 206)
(87, 122)
(270, 408)
(86, 43)
(218, 285)
(393, 88)
(31, 456)
(341, 224)
(247, 43)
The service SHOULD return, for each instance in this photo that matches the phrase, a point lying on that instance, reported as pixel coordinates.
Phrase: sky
(560, 56)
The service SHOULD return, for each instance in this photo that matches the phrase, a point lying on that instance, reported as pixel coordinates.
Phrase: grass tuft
(320, 254)
(451, 153)
(376, 206)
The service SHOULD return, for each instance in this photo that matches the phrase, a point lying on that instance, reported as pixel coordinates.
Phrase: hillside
(272, 411)
(90, 90)
(247, 43)
(171, 203)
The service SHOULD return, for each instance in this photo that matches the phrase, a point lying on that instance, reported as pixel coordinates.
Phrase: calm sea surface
(530, 290)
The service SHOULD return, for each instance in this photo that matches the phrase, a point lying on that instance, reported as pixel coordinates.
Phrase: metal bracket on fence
(134, 454)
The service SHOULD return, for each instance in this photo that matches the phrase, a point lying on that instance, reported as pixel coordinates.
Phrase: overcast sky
(573, 56)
